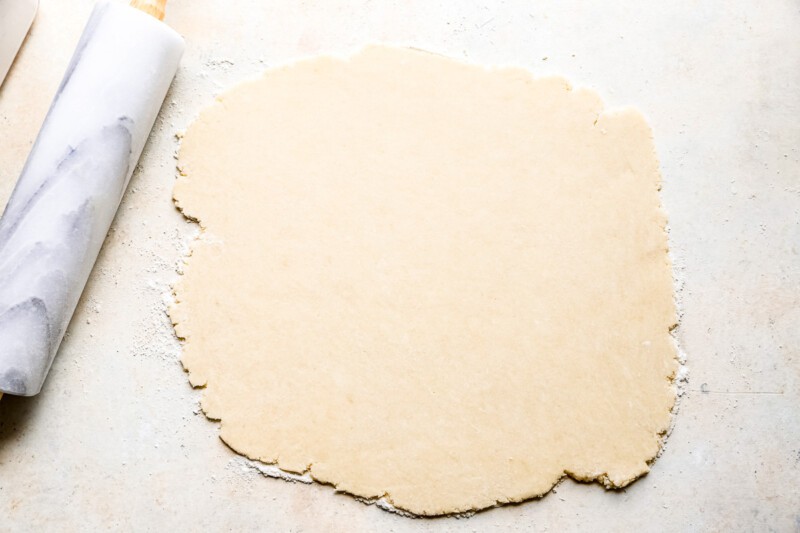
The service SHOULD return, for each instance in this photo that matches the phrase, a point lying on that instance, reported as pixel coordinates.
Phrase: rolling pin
(16, 17)
(71, 186)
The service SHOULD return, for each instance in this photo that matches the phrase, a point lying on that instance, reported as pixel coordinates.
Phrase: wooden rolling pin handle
(155, 8)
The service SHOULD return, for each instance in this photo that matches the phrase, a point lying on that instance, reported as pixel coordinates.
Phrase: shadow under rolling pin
(73, 181)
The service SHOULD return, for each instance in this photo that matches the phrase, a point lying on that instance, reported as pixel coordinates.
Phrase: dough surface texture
(428, 282)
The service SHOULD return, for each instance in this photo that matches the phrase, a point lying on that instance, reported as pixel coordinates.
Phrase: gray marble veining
(68, 193)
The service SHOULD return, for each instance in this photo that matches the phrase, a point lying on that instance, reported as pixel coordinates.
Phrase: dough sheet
(426, 281)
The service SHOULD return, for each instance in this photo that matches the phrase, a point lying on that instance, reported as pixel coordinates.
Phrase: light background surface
(116, 439)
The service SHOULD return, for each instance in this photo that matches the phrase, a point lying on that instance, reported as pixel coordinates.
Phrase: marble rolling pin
(16, 17)
(71, 186)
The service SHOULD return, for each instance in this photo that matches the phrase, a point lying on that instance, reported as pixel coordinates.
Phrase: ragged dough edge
(678, 381)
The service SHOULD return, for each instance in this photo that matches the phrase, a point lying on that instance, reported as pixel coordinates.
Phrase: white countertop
(116, 439)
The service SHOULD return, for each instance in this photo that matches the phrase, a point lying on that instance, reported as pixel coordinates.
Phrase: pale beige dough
(426, 281)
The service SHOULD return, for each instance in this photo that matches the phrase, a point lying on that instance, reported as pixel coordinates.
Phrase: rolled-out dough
(426, 281)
